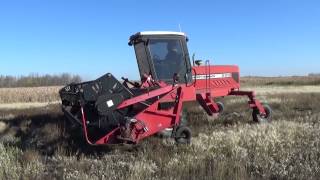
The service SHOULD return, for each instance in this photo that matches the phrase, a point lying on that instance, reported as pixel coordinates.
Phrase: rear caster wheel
(221, 107)
(259, 118)
(183, 135)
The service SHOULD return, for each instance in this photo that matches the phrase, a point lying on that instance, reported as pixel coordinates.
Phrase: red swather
(207, 83)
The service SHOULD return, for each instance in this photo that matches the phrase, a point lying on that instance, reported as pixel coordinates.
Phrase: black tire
(167, 133)
(221, 107)
(259, 118)
(183, 135)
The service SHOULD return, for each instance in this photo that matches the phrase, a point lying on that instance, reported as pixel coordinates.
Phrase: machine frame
(156, 104)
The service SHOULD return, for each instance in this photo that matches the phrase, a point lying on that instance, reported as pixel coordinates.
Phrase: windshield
(168, 58)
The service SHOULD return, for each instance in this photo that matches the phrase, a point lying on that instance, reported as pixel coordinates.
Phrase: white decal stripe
(212, 76)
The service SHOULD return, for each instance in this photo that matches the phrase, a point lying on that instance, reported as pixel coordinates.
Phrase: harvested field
(35, 143)
(281, 81)
(29, 94)
(262, 85)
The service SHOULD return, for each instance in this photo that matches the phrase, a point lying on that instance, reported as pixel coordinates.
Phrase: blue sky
(267, 38)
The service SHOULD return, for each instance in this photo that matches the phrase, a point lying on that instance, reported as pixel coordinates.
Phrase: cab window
(168, 58)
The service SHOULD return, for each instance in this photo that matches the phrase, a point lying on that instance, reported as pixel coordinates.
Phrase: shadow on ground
(47, 132)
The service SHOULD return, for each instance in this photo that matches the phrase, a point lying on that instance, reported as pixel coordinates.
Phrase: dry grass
(36, 144)
(33, 94)
(269, 90)
(27, 105)
(260, 84)
(281, 81)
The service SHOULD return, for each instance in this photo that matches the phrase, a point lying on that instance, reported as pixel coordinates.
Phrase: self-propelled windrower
(112, 112)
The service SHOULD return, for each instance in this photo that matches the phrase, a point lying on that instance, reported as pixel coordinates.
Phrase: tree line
(36, 80)
(314, 75)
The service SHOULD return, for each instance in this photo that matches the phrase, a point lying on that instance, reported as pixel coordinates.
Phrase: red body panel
(208, 82)
(218, 80)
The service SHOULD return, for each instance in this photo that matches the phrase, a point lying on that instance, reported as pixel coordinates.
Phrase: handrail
(208, 75)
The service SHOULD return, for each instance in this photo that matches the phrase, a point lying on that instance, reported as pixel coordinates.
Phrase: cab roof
(161, 33)
(155, 33)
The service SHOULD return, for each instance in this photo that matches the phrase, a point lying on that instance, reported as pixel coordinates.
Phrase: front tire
(259, 118)
(183, 135)
(167, 133)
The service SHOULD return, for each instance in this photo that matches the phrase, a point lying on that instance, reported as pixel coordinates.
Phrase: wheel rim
(183, 136)
(260, 117)
(268, 112)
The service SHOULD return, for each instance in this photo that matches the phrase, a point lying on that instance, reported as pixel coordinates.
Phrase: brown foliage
(29, 94)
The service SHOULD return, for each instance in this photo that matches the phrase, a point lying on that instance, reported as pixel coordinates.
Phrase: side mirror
(198, 62)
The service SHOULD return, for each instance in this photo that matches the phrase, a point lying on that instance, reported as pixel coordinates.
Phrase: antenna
(193, 62)
(180, 27)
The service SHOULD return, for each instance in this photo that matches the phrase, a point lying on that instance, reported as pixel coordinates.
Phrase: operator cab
(163, 55)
